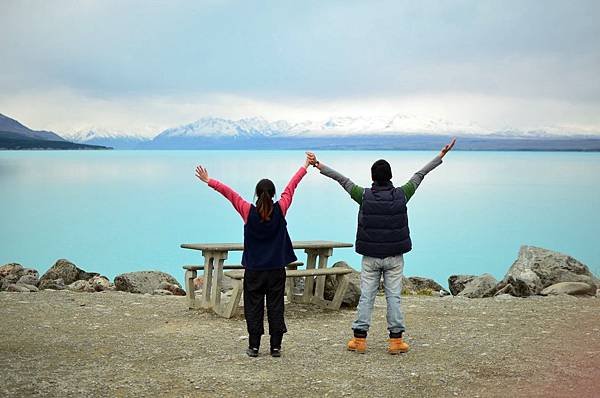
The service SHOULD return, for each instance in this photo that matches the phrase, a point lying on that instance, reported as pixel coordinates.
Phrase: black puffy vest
(267, 244)
(383, 222)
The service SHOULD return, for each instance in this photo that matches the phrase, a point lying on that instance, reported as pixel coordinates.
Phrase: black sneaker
(252, 352)
(276, 352)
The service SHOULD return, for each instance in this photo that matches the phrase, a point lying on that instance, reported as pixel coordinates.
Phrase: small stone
(162, 292)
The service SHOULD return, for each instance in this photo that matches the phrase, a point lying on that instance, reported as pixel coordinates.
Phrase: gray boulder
(31, 288)
(456, 283)
(480, 286)
(352, 294)
(54, 284)
(67, 271)
(537, 268)
(17, 288)
(420, 285)
(571, 288)
(100, 283)
(10, 275)
(176, 290)
(143, 281)
(11, 268)
(517, 287)
(29, 279)
(81, 286)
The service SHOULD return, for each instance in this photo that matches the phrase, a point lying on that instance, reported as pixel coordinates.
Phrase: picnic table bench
(333, 304)
(215, 254)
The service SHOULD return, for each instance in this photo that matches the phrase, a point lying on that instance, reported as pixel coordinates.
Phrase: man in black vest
(382, 237)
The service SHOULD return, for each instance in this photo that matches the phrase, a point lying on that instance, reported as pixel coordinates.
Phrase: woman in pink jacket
(267, 250)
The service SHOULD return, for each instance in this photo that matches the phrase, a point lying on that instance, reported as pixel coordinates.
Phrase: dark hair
(265, 190)
(381, 171)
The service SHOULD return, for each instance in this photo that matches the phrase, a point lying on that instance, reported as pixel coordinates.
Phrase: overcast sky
(143, 66)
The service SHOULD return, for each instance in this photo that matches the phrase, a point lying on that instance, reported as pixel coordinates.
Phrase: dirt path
(119, 344)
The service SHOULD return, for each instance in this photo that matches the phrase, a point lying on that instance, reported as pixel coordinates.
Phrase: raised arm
(285, 201)
(355, 191)
(239, 204)
(411, 186)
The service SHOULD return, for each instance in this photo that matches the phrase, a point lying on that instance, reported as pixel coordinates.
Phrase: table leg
(324, 255)
(290, 284)
(311, 262)
(215, 299)
(190, 275)
(208, 276)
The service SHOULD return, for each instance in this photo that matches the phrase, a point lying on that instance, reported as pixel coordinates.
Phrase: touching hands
(447, 148)
(202, 174)
(311, 158)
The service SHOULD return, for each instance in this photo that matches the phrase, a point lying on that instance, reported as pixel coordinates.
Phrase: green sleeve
(409, 190)
(357, 194)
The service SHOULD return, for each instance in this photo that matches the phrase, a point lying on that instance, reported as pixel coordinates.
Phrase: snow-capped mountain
(99, 136)
(401, 131)
(334, 126)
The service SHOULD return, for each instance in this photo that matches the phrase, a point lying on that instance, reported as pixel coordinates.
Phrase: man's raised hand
(447, 148)
(311, 157)
(202, 174)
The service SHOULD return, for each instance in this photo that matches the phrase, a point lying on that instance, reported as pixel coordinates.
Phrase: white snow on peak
(93, 133)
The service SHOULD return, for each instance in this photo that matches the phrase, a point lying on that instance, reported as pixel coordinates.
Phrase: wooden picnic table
(215, 254)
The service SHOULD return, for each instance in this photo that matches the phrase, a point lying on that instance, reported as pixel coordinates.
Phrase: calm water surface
(120, 211)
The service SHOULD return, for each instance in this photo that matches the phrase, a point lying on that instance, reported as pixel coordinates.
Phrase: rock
(175, 289)
(422, 285)
(571, 288)
(143, 281)
(10, 275)
(11, 268)
(29, 279)
(456, 283)
(67, 271)
(100, 283)
(198, 283)
(515, 287)
(536, 268)
(53, 284)
(162, 292)
(81, 286)
(17, 288)
(31, 288)
(352, 294)
(480, 286)
(31, 271)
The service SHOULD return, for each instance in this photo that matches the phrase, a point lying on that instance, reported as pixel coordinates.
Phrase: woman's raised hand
(202, 174)
(311, 158)
(447, 148)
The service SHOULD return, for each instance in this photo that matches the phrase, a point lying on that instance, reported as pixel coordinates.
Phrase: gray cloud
(546, 50)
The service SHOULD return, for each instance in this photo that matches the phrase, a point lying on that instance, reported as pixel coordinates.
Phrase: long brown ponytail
(265, 191)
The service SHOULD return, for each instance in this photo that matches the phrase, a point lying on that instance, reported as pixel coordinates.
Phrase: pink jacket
(243, 207)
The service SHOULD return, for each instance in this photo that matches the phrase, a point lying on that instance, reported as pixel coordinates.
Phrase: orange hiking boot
(358, 344)
(397, 346)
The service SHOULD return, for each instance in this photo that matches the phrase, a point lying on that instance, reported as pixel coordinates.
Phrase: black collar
(385, 186)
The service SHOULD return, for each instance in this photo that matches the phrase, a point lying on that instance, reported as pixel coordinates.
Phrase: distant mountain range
(14, 135)
(401, 132)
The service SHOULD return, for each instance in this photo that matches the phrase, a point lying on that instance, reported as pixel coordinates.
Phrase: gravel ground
(59, 343)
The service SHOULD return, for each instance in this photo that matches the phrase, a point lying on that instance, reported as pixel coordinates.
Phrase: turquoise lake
(121, 211)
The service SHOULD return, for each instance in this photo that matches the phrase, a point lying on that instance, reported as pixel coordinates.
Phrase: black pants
(257, 285)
